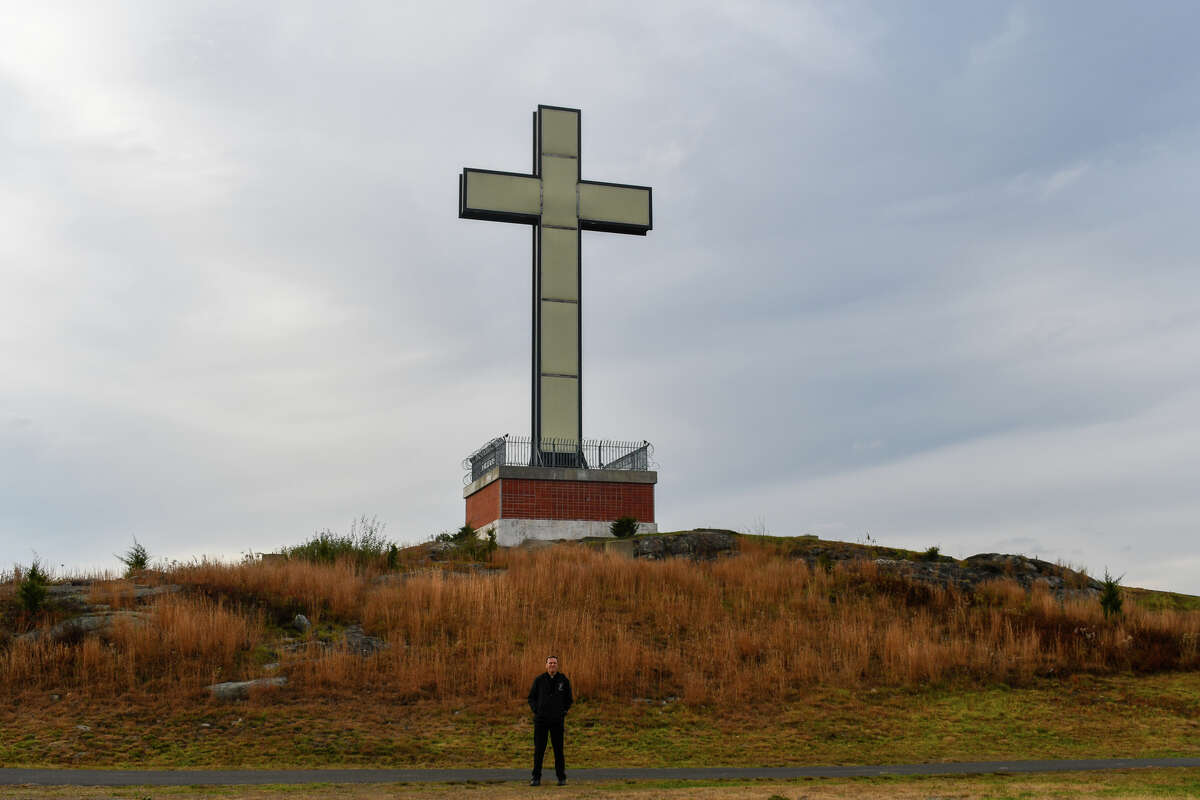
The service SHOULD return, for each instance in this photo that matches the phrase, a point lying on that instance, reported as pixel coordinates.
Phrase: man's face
(552, 665)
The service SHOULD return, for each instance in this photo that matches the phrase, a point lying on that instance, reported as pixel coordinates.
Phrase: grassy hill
(777, 654)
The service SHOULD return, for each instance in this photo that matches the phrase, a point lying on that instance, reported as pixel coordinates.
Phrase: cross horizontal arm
(615, 207)
(500, 196)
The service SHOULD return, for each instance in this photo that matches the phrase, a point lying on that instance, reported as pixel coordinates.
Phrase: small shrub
(135, 558)
(932, 554)
(365, 546)
(1111, 599)
(487, 546)
(467, 545)
(32, 590)
(623, 527)
(463, 535)
(69, 635)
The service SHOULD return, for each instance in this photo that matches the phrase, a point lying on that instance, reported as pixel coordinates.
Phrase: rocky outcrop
(74, 597)
(700, 545)
(352, 639)
(86, 623)
(966, 575)
(1028, 571)
(79, 591)
(970, 573)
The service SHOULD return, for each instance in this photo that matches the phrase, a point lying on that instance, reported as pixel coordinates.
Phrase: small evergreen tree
(623, 527)
(32, 590)
(135, 558)
(1111, 599)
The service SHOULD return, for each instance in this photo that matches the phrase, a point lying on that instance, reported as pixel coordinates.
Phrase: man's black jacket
(550, 697)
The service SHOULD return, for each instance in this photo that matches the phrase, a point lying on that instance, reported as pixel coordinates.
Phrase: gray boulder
(357, 641)
(440, 551)
(240, 690)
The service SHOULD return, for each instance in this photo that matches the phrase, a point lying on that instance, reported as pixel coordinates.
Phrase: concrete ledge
(561, 474)
(511, 532)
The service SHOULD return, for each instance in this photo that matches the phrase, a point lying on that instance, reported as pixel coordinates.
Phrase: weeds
(1074, 575)
(364, 546)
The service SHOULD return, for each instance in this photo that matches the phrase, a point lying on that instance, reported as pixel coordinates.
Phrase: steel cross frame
(558, 204)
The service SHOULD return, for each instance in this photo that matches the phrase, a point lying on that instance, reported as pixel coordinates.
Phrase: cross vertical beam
(559, 204)
(558, 399)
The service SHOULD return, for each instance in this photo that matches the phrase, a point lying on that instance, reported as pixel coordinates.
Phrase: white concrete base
(511, 532)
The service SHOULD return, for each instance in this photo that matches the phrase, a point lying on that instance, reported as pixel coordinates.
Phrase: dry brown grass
(282, 588)
(738, 629)
(183, 642)
(116, 593)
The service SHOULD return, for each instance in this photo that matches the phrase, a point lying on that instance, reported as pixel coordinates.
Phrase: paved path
(130, 777)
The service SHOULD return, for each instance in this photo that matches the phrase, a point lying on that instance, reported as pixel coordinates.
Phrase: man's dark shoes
(534, 782)
(562, 781)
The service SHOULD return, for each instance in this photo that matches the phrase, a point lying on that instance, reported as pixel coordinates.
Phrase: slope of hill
(845, 651)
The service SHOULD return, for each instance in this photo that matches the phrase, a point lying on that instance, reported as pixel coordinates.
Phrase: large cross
(558, 203)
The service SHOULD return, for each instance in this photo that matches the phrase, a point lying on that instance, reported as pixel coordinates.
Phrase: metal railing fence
(576, 454)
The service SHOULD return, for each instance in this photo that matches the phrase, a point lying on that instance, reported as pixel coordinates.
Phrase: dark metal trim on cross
(558, 203)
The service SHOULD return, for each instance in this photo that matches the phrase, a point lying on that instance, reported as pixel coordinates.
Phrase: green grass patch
(1116, 716)
(1162, 601)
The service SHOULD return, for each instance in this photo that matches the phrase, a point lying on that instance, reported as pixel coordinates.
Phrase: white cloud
(1089, 488)
(1004, 44)
(1046, 186)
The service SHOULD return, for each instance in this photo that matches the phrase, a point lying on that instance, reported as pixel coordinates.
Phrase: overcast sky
(925, 272)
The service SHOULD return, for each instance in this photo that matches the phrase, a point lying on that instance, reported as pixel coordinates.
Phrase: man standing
(549, 700)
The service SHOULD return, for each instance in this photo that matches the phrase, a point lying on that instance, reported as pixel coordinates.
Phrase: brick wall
(484, 506)
(590, 500)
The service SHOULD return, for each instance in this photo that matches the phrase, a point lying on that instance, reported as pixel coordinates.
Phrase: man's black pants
(555, 730)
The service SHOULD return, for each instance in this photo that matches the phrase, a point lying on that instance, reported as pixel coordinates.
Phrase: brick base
(572, 495)
(484, 506)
